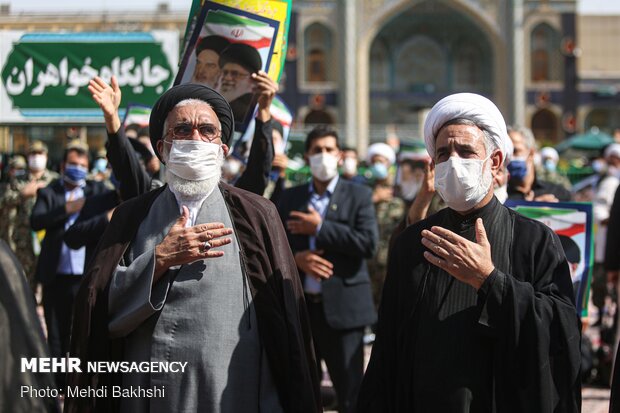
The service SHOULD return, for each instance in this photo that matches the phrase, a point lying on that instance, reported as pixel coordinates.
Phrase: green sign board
(45, 76)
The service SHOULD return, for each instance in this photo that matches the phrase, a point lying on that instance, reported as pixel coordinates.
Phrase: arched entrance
(545, 126)
(422, 54)
(318, 117)
(606, 119)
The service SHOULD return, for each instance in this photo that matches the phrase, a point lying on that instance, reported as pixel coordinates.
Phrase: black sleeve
(92, 221)
(380, 385)
(256, 174)
(133, 178)
(85, 231)
(45, 213)
(612, 245)
(532, 316)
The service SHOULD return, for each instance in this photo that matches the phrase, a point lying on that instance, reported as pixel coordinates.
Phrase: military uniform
(8, 209)
(389, 215)
(553, 177)
(16, 214)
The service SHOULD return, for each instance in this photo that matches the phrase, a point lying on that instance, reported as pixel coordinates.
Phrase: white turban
(612, 150)
(469, 106)
(382, 149)
(549, 152)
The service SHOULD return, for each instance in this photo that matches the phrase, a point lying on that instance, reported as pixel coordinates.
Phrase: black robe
(512, 346)
(274, 283)
(21, 337)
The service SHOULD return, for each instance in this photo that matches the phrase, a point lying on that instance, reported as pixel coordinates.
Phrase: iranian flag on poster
(281, 113)
(240, 29)
(572, 222)
(137, 114)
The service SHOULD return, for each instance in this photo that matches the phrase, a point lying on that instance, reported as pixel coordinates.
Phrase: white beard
(195, 189)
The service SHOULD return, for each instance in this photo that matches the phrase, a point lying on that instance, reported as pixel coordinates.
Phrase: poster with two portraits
(228, 40)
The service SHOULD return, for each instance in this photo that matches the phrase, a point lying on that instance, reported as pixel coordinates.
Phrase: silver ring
(206, 246)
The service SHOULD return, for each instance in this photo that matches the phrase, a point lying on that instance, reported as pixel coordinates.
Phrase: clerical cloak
(511, 346)
(274, 285)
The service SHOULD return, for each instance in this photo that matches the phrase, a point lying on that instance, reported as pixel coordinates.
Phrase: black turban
(176, 94)
(213, 42)
(278, 126)
(243, 55)
(571, 249)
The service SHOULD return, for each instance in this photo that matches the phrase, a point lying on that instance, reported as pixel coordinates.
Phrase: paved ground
(595, 400)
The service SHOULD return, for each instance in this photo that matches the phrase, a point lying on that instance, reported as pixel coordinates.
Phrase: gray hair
(528, 136)
(489, 143)
(184, 102)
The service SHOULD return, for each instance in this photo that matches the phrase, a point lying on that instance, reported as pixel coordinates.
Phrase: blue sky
(585, 6)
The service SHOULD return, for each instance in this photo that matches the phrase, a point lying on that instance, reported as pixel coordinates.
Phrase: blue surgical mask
(379, 170)
(599, 166)
(550, 165)
(517, 169)
(75, 174)
(101, 165)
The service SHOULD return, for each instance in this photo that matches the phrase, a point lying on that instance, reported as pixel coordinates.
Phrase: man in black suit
(60, 268)
(332, 230)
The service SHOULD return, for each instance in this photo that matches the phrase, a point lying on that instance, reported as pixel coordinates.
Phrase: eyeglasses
(235, 74)
(208, 132)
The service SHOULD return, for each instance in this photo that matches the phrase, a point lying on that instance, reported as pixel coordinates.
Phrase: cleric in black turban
(178, 93)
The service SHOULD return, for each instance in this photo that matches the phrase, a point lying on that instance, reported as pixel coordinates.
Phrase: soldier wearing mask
(21, 195)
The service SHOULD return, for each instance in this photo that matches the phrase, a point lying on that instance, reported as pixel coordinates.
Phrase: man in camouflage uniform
(547, 170)
(389, 211)
(20, 198)
(17, 167)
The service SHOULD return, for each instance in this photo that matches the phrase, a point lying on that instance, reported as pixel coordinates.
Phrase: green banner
(52, 71)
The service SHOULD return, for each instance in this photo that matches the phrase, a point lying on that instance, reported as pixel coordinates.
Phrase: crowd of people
(164, 247)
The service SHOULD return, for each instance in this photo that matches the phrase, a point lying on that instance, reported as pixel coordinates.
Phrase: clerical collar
(470, 219)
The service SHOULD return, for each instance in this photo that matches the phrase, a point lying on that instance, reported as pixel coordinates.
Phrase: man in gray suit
(196, 272)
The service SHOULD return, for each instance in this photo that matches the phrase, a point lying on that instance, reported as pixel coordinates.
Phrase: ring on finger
(206, 246)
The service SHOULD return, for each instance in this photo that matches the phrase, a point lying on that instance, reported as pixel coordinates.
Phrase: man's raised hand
(108, 97)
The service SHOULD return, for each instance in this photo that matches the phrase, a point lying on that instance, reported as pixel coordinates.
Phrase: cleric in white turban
(477, 313)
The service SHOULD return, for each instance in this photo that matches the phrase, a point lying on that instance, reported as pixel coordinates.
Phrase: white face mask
(409, 189)
(501, 193)
(462, 183)
(37, 162)
(349, 166)
(324, 166)
(193, 160)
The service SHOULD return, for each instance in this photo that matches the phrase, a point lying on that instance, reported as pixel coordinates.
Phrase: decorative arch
(415, 74)
(545, 56)
(545, 125)
(381, 68)
(497, 69)
(468, 71)
(318, 53)
(318, 117)
(606, 119)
